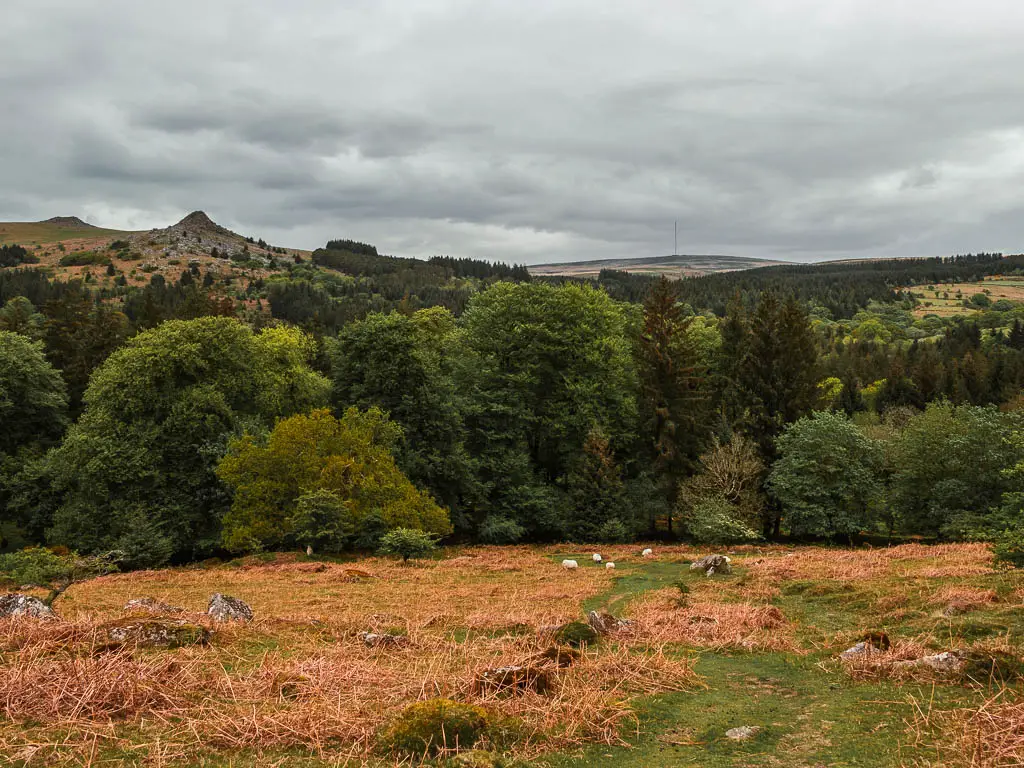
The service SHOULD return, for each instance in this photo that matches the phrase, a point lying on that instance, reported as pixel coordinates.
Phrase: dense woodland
(336, 400)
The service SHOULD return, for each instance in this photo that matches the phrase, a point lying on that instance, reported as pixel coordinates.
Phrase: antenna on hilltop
(675, 238)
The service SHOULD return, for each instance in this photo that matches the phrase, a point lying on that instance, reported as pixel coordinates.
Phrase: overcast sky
(526, 131)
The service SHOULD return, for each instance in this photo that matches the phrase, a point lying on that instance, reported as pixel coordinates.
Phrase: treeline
(542, 413)
(322, 408)
(846, 287)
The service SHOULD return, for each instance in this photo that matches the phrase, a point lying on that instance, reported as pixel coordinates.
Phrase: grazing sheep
(609, 566)
(647, 552)
(570, 564)
(597, 558)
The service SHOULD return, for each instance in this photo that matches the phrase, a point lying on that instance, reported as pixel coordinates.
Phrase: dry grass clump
(707, 624)
(959, 599)
(98, 688)
(988, 736)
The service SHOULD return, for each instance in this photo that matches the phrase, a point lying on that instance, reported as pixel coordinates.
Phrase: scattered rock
(856, 651)
(570, 564)
(150, 605)
(742, 733)
(227, 608)
(15, 604)
(948, 662)
(871, 643)
(605, 623)
(712, 564)
(514, 679)
(383, 640)
(154, 633)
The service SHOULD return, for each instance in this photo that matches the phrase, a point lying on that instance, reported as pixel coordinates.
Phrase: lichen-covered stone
(712, 564)
(15, 604)
(383, 639)
(606, 624)
(227, 608)
(153, 633)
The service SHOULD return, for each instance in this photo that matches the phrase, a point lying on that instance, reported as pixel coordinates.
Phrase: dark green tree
(674, 404)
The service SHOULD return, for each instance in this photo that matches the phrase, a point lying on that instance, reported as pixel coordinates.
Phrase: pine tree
(672, 381)
(596, 493)
(777, 377)
(1016, 338)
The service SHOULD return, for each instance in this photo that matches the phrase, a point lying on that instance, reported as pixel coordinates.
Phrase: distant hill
(68, 246)
(55, 230)
(669, 266)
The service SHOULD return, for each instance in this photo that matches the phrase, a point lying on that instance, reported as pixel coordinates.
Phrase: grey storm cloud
(526, 131)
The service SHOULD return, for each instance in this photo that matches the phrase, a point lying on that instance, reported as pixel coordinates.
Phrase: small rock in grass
(860, 649)
(950, 662)
(742, 733)
(383, 640)
(16, 604)
(605, 623)
(227, 608)
(712, 564)
(151, 605)
(154, 633)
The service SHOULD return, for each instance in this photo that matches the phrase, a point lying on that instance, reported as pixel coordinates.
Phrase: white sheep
(597, 558)
(609, 566)
(570, 564)
(647, 552)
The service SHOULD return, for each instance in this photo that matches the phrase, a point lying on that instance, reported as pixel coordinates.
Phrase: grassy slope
(37, 233)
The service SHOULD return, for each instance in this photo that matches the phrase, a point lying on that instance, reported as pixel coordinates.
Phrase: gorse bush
(428, 728)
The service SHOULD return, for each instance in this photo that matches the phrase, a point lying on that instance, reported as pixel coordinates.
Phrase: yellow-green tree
(350, 458)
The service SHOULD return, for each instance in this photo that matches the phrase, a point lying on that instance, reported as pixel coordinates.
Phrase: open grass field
(758, 647)
(946, 299)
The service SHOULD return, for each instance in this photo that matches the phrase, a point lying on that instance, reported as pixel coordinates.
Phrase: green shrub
(428, 727)
(714, 520)
(84, 259)
(56, 569)
(1008, 547)
(613, 532)
(407, 543)
(576, 634)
